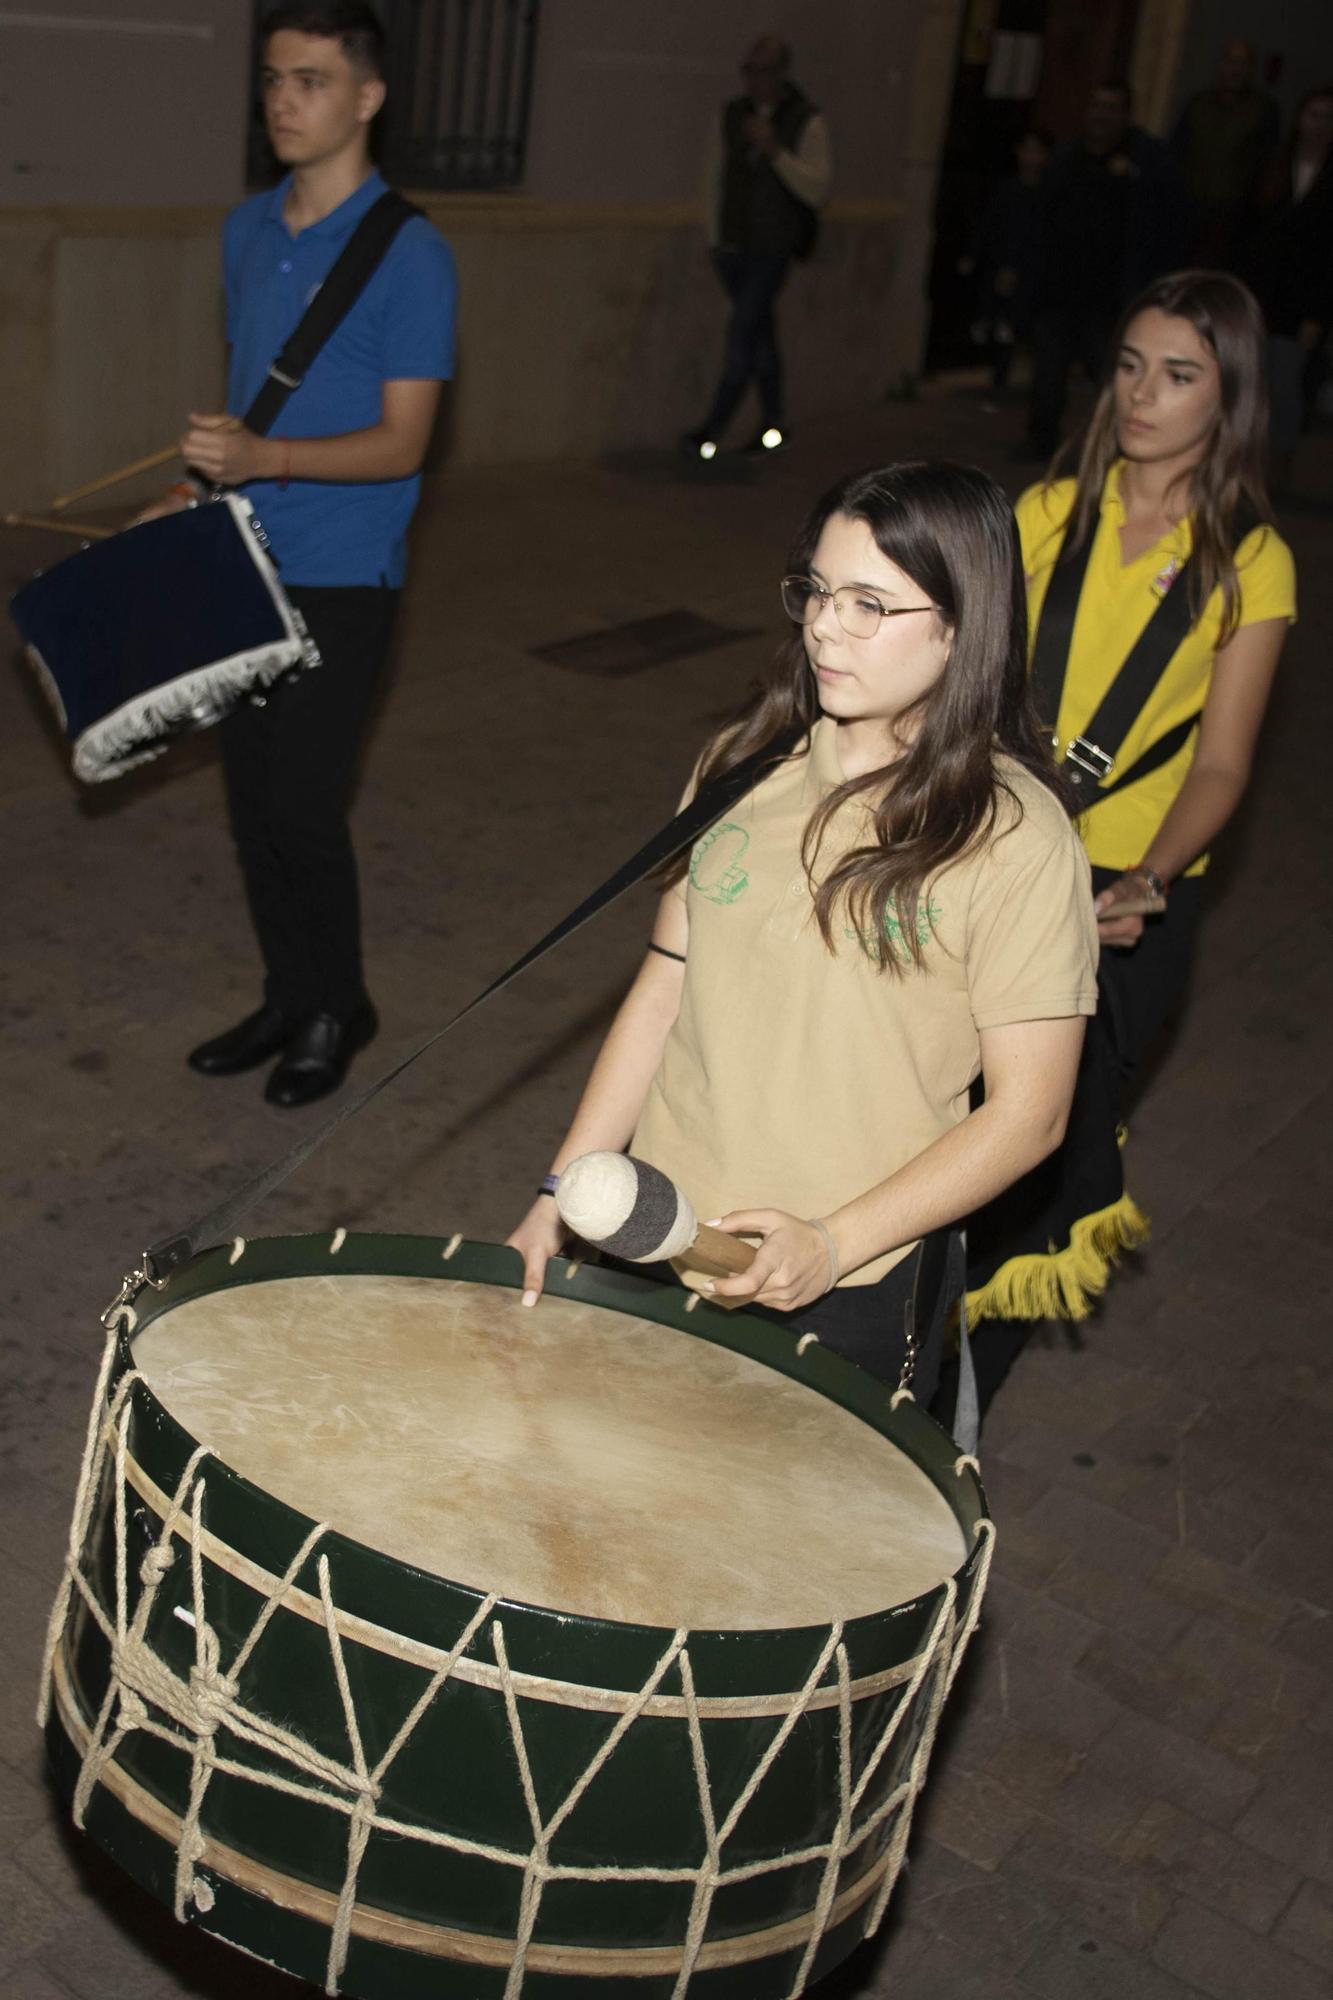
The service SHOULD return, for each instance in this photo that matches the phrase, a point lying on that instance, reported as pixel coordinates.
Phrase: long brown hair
(1228, 482)
(951, 529)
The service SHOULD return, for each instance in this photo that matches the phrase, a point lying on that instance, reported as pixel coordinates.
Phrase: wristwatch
(1155, 882)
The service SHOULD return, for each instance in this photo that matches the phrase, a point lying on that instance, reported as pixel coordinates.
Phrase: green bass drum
(425, 1645)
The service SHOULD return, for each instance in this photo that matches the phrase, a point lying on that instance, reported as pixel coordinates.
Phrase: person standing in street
(334, 486)
(769, 168)
(1222, 143)
(1114, 216)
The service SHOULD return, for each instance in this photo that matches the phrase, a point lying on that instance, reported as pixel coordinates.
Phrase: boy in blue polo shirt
(334, 485)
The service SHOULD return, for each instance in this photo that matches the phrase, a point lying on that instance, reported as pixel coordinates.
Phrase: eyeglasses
(856, 611)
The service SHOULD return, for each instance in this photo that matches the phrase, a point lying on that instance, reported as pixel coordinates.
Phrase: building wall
(626, 89)
(591, 320)
(124, 103)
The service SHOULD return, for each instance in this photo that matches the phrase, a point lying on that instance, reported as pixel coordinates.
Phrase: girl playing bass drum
(900, 904)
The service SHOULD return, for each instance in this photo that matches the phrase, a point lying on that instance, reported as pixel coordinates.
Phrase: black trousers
(869, 1324)
(1143, 989)
(1141, 993)
(752, 280)
(289, 765)
(1061, 335)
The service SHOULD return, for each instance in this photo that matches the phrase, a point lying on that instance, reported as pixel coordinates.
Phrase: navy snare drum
(158, 631)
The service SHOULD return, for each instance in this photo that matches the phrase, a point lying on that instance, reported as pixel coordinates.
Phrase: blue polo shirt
(400, 329)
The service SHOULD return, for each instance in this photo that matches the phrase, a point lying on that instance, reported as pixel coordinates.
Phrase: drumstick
(627, 1207)
(127, 473)
(83, 529)
(148, 464)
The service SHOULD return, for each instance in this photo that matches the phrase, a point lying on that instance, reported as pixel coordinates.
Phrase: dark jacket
(758, 211)
(1288, 259)
(1110, 223)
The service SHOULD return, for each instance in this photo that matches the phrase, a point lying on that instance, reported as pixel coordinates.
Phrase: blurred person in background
(1006, 256)
(1114, 214)
(768, 173)
(1223, 140)
(1288, 263)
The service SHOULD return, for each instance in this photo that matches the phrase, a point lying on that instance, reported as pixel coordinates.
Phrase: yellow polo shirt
(1115, 605)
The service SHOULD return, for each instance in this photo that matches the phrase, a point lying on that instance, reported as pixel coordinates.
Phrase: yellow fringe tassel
(1064, 1284)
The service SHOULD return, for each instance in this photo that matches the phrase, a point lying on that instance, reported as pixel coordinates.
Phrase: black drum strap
(707, 805)
(357, 263)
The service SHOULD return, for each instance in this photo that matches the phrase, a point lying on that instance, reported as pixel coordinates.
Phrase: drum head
(566, 1456)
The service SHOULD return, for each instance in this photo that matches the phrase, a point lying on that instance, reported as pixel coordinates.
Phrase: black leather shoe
(251, 1042)
(318, 1057)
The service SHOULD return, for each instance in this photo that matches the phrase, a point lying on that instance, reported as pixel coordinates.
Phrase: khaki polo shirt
(1114, 606)
(798, 1078)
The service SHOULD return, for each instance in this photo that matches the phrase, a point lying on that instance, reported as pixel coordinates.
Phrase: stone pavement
(1131, 1797)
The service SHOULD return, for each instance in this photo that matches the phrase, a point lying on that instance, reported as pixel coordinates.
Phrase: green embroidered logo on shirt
(928, 914)
(715, 859)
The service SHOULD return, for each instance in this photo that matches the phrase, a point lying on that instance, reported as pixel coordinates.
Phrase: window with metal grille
(459, 74)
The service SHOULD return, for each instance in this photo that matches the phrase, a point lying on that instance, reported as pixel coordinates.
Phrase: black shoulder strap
(1090, 758)
(707, 805)
(359, 259)
(1055, 627)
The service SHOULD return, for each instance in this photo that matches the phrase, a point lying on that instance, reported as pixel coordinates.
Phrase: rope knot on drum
(199, 1704)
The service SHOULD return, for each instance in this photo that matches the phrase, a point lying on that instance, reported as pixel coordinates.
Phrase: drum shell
(159, 630)
(461, 1774)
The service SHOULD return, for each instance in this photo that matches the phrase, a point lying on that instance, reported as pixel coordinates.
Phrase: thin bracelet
(679, 956)
(548, 1184)
(835, 1267)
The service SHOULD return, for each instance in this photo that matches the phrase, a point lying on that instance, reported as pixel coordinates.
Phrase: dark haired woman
(900, 904)
(1160, 596)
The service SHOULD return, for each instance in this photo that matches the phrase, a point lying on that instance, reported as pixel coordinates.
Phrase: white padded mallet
(628, 1208)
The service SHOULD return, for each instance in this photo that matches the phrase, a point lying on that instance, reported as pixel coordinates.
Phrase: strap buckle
(1090, 757)
(287, 381)
(132, 1284)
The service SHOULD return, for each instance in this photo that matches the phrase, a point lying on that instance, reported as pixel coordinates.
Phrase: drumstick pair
(64, 500)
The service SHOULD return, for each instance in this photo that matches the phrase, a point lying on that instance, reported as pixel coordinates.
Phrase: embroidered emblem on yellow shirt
(1166, 576)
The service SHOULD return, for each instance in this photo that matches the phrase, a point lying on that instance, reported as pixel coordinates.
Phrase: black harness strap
(1090, 758)
(707, 805)
(357, 263)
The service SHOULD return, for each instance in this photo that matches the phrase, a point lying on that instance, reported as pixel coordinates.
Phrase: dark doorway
(1020, 63)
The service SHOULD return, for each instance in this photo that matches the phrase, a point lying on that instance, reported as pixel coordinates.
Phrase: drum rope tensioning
(196, 1707)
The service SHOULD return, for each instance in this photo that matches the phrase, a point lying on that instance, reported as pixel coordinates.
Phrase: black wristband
(548, 1184)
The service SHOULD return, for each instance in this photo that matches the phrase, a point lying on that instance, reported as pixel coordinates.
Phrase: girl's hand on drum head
(540, 1236)
(791, 1266)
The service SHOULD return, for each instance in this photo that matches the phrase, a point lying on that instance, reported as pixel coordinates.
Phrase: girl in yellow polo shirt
(1185, 597)
(1170, 495)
